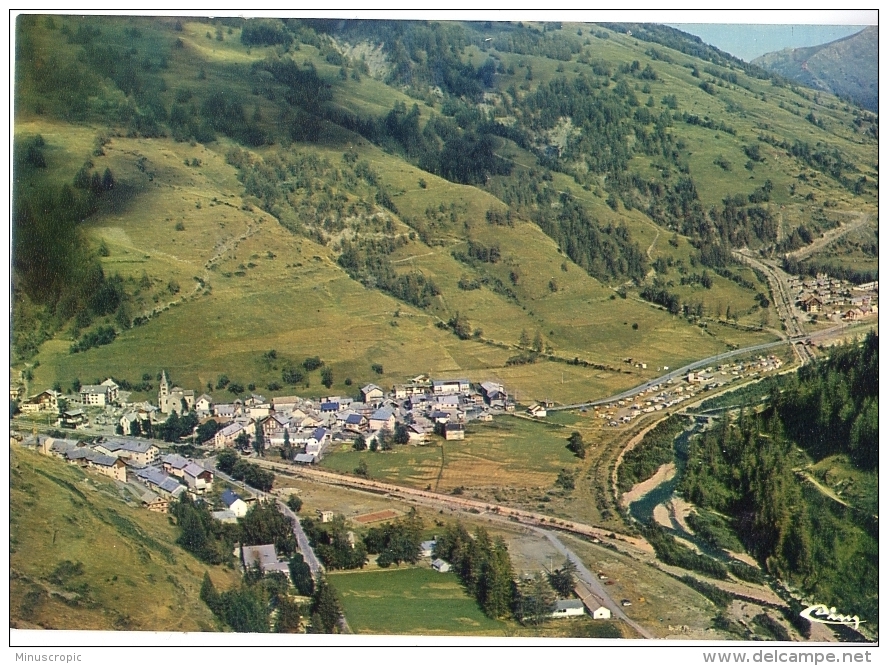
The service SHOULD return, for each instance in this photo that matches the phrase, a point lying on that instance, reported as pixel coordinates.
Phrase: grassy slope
(134, 576)
(289, 309)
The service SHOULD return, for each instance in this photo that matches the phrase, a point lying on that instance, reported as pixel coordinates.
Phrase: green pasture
(411, 601)
(508, 451)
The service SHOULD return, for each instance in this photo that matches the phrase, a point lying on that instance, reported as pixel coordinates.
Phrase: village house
(537, 411)
(601, 613)
(224, 516)
(492, 391)
(127, 424)
(812, 304)
(143, 453)
(159, 482)
(316, 441)
(198, 479)
(285, 404)
(94, 395)
(305, 458)
(203, 405)
(372, 394)
(227, 435)
(173, 464)
(266, 558)
(233, 502)
(155, 503)
(109, 466)
(382, 418)
(226, 411)
(42, 402)
(426, 548)
(72, 418)
(568, 608)
(445, 386)
(454, 431)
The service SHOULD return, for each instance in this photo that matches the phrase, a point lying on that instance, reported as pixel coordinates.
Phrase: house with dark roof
(71, 418)
(493, 392)
(355, 422)
(316, 441)
(44, 401)
(234, 503)
(454, 431)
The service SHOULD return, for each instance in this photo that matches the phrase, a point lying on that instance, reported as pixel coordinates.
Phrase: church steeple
(164, 385)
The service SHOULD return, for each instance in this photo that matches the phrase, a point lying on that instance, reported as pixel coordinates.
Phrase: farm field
(411, 601)
(508, 452)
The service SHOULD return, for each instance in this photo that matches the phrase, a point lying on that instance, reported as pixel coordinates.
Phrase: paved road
(304, 546)
(592, 583)
(783, 301)
(301, 539)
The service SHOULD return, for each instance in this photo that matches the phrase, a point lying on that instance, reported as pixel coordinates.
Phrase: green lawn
(411, 601)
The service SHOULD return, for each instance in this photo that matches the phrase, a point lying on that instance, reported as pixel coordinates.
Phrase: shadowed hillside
(847, 67)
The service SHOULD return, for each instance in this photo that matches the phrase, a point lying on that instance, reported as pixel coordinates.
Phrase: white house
(204, 404)
(445, 386)
(601, 613)
(569, 608)
(537, 411)
(234, 503)
(94, 394)
(372, 393)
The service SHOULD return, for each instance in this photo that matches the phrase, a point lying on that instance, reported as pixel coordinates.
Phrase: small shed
(440, 566)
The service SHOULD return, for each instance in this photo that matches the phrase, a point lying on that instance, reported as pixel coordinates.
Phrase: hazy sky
(750, 41)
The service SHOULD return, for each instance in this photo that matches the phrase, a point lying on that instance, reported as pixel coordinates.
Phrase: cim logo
(822, 615)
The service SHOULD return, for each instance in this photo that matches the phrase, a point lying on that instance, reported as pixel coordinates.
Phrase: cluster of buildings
(161, 478)
(416, 410)
(659, 397)
(421, 407)
(836, 299)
